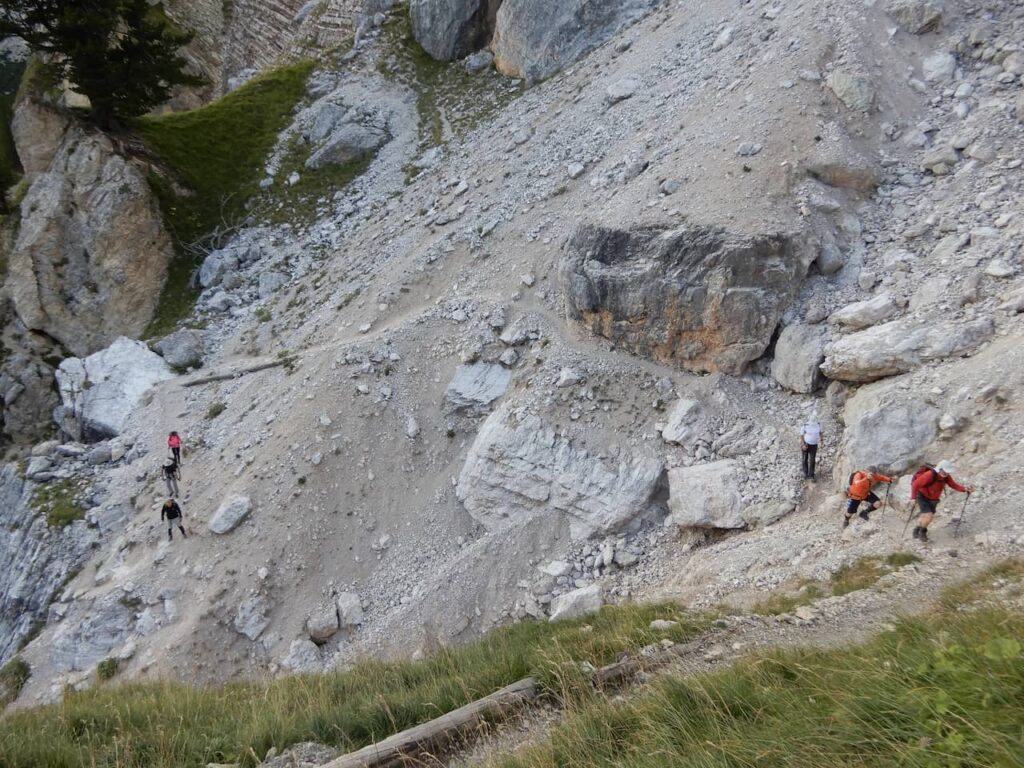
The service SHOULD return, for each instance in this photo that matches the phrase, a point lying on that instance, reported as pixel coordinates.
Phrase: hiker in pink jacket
(174, 443)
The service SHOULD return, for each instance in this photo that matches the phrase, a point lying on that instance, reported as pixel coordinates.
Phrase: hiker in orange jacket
(861, 483)
(926, 489)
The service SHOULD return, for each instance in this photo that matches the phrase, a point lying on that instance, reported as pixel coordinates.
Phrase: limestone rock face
(35, 559)
(697, 298)
(100, 390)
(91, 255)
(887, 426)
(105, 623)
(475, 387)
(252, 617)
(901, 346)
(518, 468)
(26, 381)
(534, 39)
(452, 29)
(798, 355)
(705, 496)
(352, 123)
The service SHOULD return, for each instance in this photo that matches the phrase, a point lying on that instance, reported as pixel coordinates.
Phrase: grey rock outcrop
(475, 387)
(682, 422)
(886, 426)
(98, 627)
(350, 610)
(27, 393)
(901, 346)
(579, 602)
(864, 314)
(853, 88)
(352, 122)
(534, 39)
(37, 130)
(35, 560)
(230, 514)
(915, 16)
(252, 617)
(91, 254)
(322, 625)
(303, 658)
(705, 496)
(100, 390)
(761, 515)
(518, 468)
(799, 352)
(181, 349)
(698, 298)
(451, 29)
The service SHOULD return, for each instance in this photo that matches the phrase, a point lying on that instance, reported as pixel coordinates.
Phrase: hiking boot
(924, 534)
(846, 522)
(917, 532)
(863, 515)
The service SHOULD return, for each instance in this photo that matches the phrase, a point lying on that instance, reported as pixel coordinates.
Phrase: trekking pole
(956, 531)
(888, 487)
(907, 524)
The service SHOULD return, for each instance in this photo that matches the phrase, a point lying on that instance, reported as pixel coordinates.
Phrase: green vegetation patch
(107, 668)
(13, 676)
(933, 693)
(215, 410)
(858, 575)
(166, 724)
(450, 100)
(58, 500)
(214, 156)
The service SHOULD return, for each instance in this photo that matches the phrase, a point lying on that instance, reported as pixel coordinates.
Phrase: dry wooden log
(238, 373)
(619, 672)
(440, 732)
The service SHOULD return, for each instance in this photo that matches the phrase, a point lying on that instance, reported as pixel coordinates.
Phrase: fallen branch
(240, 372)
(439, 733)
(620, 671)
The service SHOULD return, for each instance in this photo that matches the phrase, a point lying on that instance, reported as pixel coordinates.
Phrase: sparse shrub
(215, 410)
(13, 676)
(107, 668)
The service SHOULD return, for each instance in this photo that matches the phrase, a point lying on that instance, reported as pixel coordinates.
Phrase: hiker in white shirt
(810, 439)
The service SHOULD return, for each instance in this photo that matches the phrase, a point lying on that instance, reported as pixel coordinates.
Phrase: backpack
(924, 468)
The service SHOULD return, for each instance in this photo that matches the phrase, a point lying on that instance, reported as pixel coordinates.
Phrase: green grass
(933, 693)
(858, 575)
(166, 724)
(216, 154)
(13, 676)
(58, 501)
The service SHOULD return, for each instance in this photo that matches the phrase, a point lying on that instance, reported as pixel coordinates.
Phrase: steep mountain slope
(477, 350)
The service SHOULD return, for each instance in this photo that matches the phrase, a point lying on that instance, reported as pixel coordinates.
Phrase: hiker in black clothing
(171, 477)
(172, 512)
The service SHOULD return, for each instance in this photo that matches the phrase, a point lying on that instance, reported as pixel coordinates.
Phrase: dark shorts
(926, 506)
(176, 520)
(853, 504)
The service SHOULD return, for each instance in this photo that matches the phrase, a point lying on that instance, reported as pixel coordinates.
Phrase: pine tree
(122, 54)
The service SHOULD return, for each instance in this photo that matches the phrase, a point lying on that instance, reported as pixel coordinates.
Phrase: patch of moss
(107, 668)
(58, 500)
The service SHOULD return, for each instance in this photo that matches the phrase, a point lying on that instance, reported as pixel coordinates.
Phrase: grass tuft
(58, 500)
(164, 724)
(13, 676)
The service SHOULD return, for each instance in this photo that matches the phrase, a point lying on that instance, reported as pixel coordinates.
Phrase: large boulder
(901, 346)
(864, 314)
(322, 624)
(475, 387)
(705, 496)
(694, 297)
(452, 29)
(534, 39)
(100, 390)
(798, 355)
(230, 514)
(887, 426)
(681, 427)
(181, 349)
(350, 610)
(580, 602)
(91, 254)
(252, 616)
(303, 658)
(518, 468)
(38, 130)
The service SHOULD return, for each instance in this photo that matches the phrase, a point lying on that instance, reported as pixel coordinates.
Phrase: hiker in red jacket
(174, 443)
(926, 489)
